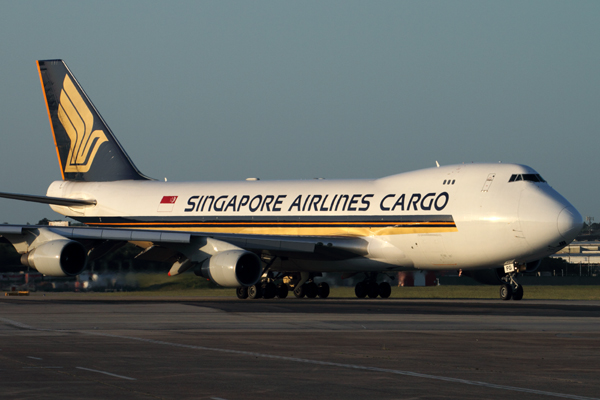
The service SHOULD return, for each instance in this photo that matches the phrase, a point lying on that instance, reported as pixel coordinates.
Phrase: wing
(64, 251)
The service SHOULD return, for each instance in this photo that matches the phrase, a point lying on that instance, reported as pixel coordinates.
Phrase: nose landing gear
(511, 288)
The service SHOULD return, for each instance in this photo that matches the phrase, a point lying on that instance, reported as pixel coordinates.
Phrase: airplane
(265, 238)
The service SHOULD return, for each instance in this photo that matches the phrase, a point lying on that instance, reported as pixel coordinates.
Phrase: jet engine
(232, 268)
(533, 266)
(57, 258)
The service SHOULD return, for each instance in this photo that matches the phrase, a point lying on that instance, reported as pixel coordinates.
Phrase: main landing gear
(302, 285)
(311, 290)
(370, 288)
(511, 288)
(262, 290)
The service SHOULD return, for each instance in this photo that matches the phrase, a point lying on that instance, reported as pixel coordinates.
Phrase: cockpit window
(540, 178)
(530, 178)
(526, 177)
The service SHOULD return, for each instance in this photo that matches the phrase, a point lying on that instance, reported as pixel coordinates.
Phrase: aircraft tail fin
(86, 147)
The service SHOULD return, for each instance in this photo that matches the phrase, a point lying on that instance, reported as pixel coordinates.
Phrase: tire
(269, 290)
(518, 293)
(241, 292)
(255, 291)
(372, 290)
(282, 291)
(323, 290)
(385, 290)
(299, 292)
(311, 290)
(360, 290)
(505, 292)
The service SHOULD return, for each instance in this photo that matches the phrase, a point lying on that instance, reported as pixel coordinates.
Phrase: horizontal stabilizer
(59, 201)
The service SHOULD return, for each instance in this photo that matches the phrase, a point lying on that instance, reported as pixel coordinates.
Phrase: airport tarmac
(82, 346)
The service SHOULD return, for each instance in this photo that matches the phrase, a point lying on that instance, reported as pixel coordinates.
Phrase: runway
(73, 347)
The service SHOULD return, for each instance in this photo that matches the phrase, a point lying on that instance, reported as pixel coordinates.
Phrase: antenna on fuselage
(437, 163)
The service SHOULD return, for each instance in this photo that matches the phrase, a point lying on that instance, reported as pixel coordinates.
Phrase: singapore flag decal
(167, 203)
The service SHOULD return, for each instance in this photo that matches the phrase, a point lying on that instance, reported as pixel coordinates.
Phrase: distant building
(580, 252)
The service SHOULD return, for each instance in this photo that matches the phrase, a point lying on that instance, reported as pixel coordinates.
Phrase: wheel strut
(511, 288)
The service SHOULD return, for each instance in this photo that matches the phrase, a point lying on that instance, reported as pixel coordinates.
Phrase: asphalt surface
(77, 347)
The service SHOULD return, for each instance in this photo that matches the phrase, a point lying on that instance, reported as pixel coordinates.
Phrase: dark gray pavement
(74, 347)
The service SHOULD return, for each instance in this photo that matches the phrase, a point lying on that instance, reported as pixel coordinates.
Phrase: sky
(225, 90)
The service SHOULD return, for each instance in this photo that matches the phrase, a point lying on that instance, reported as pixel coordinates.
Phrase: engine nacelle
(533, 266)
(232, 268)
(57, 258)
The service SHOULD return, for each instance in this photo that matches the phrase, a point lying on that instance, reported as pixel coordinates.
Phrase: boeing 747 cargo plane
(266, 238)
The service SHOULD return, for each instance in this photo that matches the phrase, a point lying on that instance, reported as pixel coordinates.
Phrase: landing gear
(511, 288)
(255, 291)
(299, 291)
(269, 290)
(385, 290)
(300, 284)
(360, 290)
(505, 292)
(323, 290)
(282, 290)
(370, 288)
(242, 292)
(311, 290)
(518, 293)
(265, 290)
(304, 285)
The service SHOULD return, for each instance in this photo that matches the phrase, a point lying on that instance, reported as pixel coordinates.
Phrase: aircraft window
(444, 181)
(527, 177)
(540, 178)
(453, 181)
(530, 177)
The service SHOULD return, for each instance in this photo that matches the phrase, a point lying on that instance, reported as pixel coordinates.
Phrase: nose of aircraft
(548, 221)
(570, 223)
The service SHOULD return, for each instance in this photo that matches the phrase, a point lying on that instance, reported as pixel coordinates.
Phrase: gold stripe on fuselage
(298, 231)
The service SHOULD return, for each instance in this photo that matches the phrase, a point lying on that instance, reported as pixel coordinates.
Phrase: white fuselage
(454, 217)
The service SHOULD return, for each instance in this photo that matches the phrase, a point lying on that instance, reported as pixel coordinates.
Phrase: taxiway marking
(106, 373)
(314, 362)
(350, 366)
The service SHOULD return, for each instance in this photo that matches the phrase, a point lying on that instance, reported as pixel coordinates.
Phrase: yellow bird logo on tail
(78, 122)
